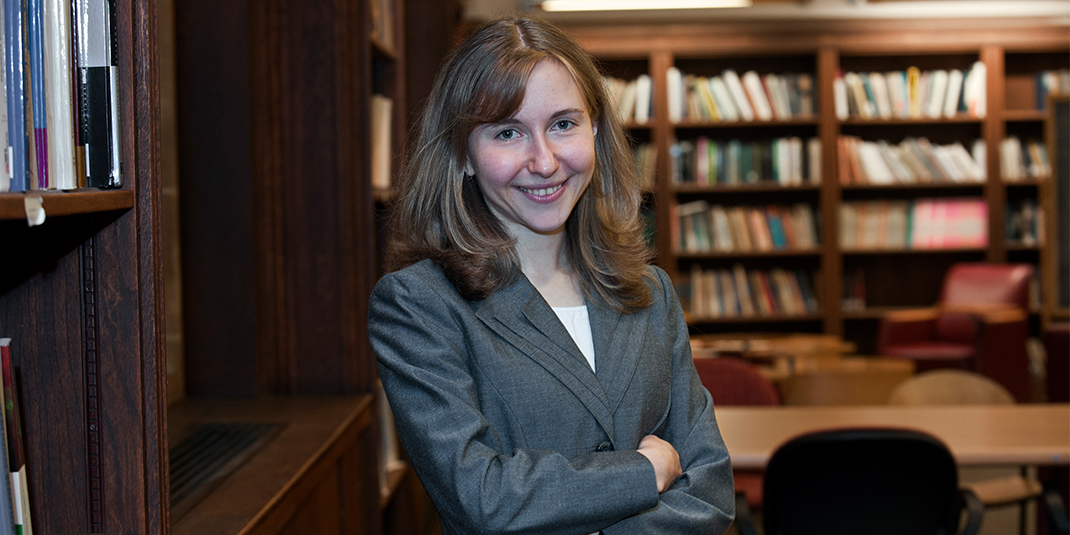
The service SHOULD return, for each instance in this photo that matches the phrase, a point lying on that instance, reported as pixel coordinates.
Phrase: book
(973, 90)
(723, 97)
(15, 445)
(382, 116)
(643, 98)
(739, 94)
(674, 82)
(37, 96)
(839, 93)
(7, 510)
(752, 84)
(15, 71)
(5, 165)
(98, 106)
(954, 93)
(937, 95)
(59, 105)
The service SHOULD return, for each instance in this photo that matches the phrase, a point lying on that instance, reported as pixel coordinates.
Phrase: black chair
(871, 481)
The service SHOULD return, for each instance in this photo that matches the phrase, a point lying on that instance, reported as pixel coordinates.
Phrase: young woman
(538, 367)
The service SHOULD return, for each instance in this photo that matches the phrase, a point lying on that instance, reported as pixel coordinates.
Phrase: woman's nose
(543, 161)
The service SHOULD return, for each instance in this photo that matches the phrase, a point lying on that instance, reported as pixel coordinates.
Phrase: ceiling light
(631, 5)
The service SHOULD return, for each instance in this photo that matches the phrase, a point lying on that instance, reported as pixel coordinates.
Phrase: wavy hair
(441, 214)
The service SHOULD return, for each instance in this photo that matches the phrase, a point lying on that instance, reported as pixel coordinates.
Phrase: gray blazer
(510, 431)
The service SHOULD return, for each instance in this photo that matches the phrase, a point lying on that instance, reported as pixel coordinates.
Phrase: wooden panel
(323, 452)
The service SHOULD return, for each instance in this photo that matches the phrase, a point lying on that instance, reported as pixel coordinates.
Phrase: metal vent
(204, 458)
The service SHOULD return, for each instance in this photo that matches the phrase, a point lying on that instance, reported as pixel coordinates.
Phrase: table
(977, 435)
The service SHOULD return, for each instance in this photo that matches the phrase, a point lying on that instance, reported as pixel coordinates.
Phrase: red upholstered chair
(980, 324)
(734, 381)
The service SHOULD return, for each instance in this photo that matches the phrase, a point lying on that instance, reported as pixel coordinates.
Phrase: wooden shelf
(777, 253)
(762, 187)
(317, 434)
(942, 250)
(62, 203)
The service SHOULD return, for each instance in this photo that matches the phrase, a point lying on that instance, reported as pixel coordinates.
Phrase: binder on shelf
(37, 123)
(7, 511)
(13, 429)
(381, 118)
(15, 71)
(98, 99)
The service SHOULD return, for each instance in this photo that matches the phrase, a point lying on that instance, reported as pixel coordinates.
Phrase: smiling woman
(539, 370)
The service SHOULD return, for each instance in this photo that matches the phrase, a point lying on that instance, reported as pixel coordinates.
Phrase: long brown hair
(441, 213)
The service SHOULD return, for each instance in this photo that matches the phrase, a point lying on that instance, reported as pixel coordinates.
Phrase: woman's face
(534, 166)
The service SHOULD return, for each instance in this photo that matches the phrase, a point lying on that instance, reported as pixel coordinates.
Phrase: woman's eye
(506, 134)
(563, 124)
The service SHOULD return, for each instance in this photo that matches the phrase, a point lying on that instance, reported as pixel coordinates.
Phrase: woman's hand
(665, 459)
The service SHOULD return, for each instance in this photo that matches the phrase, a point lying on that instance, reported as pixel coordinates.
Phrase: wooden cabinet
(80, 296)
(852, 285)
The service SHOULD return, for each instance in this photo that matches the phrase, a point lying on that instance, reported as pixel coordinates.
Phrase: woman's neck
(544, 262)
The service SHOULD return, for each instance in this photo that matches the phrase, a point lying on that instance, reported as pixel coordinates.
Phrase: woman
(538, 368)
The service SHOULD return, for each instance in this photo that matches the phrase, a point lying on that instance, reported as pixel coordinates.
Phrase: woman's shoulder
(421, 277)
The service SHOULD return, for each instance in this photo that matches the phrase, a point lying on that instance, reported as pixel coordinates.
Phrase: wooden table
(978, 435)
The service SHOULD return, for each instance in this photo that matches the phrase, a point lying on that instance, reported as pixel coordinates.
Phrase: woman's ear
(468, 169)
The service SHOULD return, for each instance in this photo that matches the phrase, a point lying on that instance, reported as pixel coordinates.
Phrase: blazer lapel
(618, 338)
(520, 315)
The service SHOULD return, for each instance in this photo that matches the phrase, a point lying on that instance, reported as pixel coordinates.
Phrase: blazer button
(605, 446)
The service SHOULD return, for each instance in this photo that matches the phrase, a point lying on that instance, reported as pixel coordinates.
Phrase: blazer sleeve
(417, 331)
(703, 498)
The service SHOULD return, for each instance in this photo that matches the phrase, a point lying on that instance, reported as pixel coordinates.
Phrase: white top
(578, 324)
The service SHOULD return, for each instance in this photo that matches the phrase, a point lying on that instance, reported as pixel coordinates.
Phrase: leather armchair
(979, 324)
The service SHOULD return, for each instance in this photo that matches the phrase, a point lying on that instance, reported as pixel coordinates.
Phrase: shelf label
(35, 210)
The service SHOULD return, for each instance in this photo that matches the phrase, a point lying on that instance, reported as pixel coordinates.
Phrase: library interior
(863, 207)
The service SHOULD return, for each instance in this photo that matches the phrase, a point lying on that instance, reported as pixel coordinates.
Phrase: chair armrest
(975, 512)
(744, 519)
(906, 326)
(1005, 490)
(988, 313)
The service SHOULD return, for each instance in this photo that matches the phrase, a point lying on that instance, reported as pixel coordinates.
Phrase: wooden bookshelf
(80, 297)
(1013, 53)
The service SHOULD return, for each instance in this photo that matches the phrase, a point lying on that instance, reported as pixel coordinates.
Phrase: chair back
(734, 381)
(950, 387)
(872, 481)
(980, 283)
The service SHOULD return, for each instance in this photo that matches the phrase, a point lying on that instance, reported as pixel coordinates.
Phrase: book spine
(15, 79)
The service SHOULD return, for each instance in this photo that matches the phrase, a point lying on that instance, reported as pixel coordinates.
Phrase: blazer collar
(519, 314)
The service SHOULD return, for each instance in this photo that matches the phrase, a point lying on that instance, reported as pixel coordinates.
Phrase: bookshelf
(279, 234)
(854, 285)
(80, 296)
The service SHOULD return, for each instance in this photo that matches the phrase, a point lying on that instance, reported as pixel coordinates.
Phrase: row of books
(1018, 161)
(731, 97)
(60, 123)
(633, 99)
(1052, 82)
(911, 93)
(918, 224)
(738, 292)
(14, 489)
(700, 227)
(913, 160)
(1025, 222)
(787, 161)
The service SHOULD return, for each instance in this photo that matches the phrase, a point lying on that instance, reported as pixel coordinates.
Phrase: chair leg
(744, 519)
(1057, 517)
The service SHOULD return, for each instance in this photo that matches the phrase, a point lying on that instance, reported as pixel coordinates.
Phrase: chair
(979, 324)
(734, 381)
(959, 387)
(872, 481)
